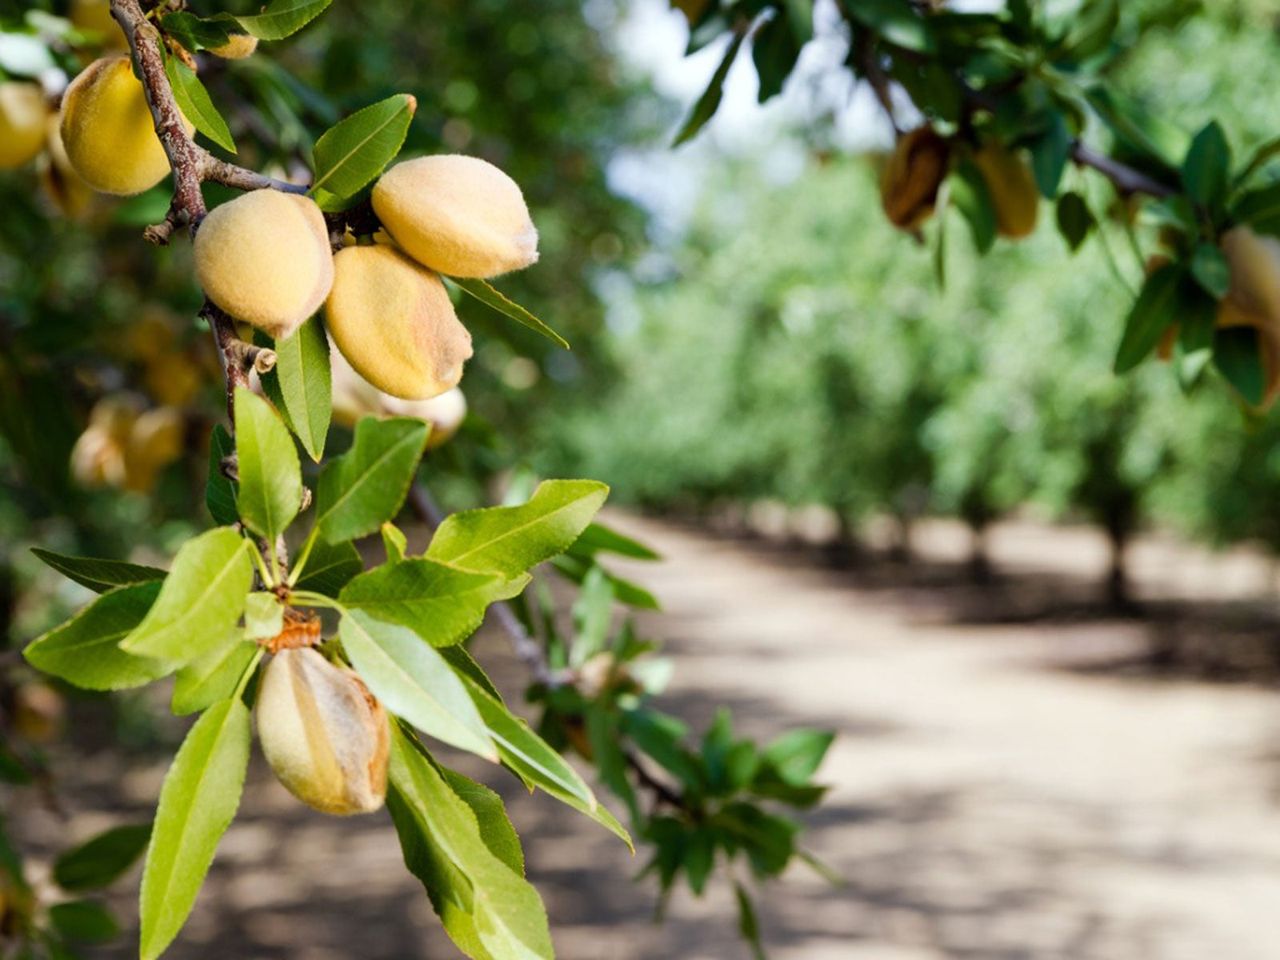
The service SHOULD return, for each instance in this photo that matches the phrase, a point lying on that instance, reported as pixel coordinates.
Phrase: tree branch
(1125, 178)
(192, 165)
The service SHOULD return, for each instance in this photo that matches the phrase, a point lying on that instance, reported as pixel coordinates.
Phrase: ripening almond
(1012, 187)
(108, 131)
(393, 320)
(458, 215)
(1254, 297)
(22, 123)
(910, 180)
(237, 47)
(323, 733)
(264, 258)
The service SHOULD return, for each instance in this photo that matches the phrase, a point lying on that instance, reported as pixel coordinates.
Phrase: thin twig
(1125, 178)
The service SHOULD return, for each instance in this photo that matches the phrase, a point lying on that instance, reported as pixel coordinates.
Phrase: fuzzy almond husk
(324, 735)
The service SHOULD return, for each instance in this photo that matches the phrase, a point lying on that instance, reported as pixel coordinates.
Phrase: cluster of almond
(921, 161)
(266, 259)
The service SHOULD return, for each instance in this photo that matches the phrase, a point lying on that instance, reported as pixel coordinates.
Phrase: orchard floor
(1016, 777)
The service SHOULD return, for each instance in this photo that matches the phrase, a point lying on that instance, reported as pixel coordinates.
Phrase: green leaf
(220, 492)
(1075, 219)
(263, 615)
(537, 763)
(330, 567)
(85, 651)
(365, 487)
(599, 538)
(748, 926)
(1237, 355)
(349, 155)
(796, 755)
(1258, 159)
(414, 682)
(625, 591)
(301, 385)
(281, 18)
(194, 32)
(483, 902)
(441, 604)
(1207, 167)
(1049, 154)
(196, 104)
(774, 50)
(270, 475)
(1150, 315)
(102, 859)
(83, 921)
(896, 22)
(1260, 209)
(1197, 319)
(394, 542)
(491, 297)
(511, 540)
(211, 678)
(495, 826)
(970, 196)
(1092, 28)
(466, 665)
(197, 803)
(709, 102)
(1211, 271)
(98, 575)
(200, 601)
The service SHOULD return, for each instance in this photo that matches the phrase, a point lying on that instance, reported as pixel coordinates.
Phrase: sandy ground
(995, 795)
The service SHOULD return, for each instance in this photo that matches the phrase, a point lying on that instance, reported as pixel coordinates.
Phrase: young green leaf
(1151, 314)
(263, 615)
(1210, 269)
(204, 682)
(1049, 154)
(487, 294)
(599, 538)
(1237, 355)
(796, 755)
(349, 155)
(413, 681)
(441, 604)
(98, 575)
(197, 803)
(270, 475)
(102, 859)
(748, 926)
(365, 487)
(511, 540)
(301, 385)
(483, 901)
(897, 22)
(709, 102)
(280, 18)
(495, 826)
(1207, 167)
(196, 104)
(537, 763)
(969, 195)
(85, 651)
(1260, 209)
(83, 921)
(330, 567)
(219, 491)
(394, 542)
(200, 601)
(1075, 220)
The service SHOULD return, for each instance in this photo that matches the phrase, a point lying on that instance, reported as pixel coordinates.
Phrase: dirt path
(988, 801)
